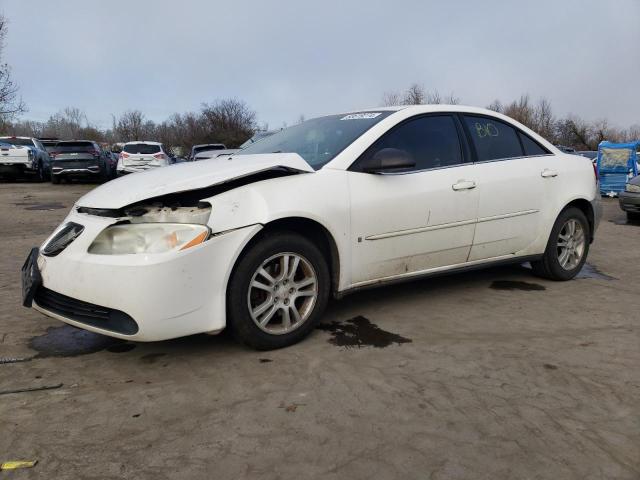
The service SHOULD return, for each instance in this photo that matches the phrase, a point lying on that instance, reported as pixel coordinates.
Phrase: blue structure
(616, 164)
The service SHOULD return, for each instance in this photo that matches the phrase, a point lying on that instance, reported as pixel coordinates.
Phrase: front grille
(94, 315)
(62, 239)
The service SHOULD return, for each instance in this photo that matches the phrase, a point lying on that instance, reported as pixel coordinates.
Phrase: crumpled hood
(186, 176)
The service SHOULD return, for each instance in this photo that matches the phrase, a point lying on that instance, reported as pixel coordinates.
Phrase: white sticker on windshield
(361, 116)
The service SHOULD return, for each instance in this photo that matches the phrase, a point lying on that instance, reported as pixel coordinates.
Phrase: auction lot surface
(490, 374)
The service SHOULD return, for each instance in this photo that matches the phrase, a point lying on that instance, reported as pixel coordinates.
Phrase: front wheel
(278, 291)
(55, 179)
(567, 248)
(633, 216)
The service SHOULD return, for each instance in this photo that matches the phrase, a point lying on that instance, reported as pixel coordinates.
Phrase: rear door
(511, 187)
(411, 221)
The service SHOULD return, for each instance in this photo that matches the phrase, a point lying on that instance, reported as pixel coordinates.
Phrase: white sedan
(258, 242)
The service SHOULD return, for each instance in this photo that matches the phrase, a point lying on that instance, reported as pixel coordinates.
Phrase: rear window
(208, 148)
(141, 148)
(531, 147)
(74, 147)
(18, 141)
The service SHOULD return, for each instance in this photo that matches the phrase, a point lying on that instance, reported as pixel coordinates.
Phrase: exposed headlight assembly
(148, 238)
(631, 188)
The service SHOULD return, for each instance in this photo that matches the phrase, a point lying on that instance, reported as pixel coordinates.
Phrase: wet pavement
(483, 375)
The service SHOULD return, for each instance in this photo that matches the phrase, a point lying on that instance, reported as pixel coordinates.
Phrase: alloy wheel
(571, 244)
(282, 293)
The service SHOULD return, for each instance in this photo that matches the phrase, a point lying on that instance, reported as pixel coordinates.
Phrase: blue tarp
(616, 164)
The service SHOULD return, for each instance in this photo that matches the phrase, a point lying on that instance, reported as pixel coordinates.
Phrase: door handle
(546, 173)
(464, 185)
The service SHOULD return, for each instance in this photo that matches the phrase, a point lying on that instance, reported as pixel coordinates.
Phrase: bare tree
(132, 126)
(10, 104)
(229, 121)
(414, 95)
(391, 99)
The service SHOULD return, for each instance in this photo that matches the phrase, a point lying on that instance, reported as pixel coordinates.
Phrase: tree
(10, 104)
(417, 95)
(132, 126)
(229, 121)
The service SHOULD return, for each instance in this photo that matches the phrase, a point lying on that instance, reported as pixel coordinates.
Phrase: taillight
(94, 153)
(160, 156)
(124, 155)
(595, 170)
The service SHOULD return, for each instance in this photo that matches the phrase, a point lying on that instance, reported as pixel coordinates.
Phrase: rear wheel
(277, 292)
(567, 248)
(633, 216)
(55, 179)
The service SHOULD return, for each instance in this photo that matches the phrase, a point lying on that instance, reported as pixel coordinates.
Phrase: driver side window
(431, 141)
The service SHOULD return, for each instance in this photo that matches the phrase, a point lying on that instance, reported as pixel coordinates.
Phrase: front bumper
(167, 295)
(629, 202)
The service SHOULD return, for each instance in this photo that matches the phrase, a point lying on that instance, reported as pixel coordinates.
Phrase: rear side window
(141, 148)
(531, 147)
(492, 138)
(430, 141)
(74, 147)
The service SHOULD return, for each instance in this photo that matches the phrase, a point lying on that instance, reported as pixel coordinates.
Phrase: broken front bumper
(140, 297)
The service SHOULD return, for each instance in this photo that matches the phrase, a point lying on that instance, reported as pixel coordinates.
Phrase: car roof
(208, 145)
(136, 142)
(17, 136)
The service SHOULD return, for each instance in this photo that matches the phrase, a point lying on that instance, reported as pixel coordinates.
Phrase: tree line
(228, 121)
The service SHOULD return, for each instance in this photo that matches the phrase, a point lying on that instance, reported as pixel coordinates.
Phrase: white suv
(140, 156)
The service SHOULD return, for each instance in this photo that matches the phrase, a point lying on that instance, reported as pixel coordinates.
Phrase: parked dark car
(79, 158)
(630, 199)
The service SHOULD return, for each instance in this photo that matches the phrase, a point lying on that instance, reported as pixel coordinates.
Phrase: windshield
(17, 141)
(318, 140)
(74, 147)
(141, 148)
(255, 138)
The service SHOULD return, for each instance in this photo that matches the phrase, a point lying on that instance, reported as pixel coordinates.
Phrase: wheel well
(587, 209)
(314, 232)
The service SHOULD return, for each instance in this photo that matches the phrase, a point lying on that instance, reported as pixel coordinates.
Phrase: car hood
(187, 176)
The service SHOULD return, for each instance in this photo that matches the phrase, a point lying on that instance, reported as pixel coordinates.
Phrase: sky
(292, 58)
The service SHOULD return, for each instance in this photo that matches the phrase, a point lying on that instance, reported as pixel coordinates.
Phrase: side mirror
(388, 159)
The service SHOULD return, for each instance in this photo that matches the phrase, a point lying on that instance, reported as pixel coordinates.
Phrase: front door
(407, 222)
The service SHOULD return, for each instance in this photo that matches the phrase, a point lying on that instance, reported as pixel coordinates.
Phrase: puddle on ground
(68, 341)
(359, 332)
(40, 206)
(591, 271)
(516, 285)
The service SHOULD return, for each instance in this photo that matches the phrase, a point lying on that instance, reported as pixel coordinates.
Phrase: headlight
(631, 188)
(148, 238)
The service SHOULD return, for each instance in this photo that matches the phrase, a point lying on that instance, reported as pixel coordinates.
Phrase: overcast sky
(287, 58)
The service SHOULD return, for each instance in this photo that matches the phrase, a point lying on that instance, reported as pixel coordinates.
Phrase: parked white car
(140, 156)
(258, 241)
(207, 154)
(23, 156)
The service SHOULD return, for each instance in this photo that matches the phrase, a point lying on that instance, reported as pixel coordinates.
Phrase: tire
(40, 175)
(633, 216)
(55, 179)
(551, 265)
(282, 295)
